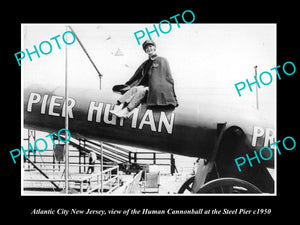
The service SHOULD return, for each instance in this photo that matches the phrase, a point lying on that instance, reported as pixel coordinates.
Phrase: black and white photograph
(168, 109)
(146, 110)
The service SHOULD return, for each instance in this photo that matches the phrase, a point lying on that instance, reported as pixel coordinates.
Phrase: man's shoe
(123, 113)
(116, 109)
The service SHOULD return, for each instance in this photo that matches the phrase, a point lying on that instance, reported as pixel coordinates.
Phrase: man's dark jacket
(160, 82)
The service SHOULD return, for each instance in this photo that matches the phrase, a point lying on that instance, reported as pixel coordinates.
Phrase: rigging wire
(87, 54)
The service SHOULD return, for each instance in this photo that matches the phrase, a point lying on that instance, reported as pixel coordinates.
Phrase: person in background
(92, 161)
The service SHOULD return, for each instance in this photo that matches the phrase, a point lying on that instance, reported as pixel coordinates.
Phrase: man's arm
(131, 82)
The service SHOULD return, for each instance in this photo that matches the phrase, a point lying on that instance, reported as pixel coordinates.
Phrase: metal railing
(153, 158)
(104, 182)
(107, 179)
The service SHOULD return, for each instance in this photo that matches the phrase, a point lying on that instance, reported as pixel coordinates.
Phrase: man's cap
(148, 42)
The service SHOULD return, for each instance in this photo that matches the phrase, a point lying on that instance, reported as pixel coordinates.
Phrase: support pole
(101, 143)
(66, 123)
(255, 67)
(87, 54)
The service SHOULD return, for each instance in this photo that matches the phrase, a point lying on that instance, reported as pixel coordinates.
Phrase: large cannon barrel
(190, 129)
